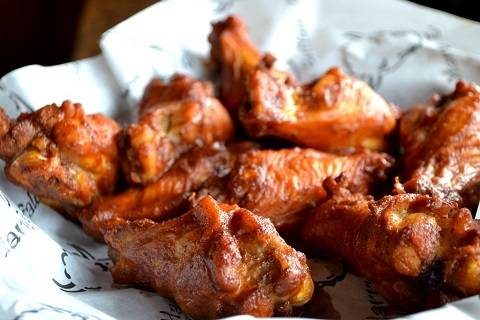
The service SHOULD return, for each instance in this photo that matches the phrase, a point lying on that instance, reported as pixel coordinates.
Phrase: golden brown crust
(235, 56)
(224, 257)
(180, 87)
(442, 146)
(215, 260)
(408, 245)
(335, 113)
(163, 199)
(281, 184)
(174, 118)
(62, 155)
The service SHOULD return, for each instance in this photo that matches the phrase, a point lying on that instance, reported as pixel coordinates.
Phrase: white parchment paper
(49, 269)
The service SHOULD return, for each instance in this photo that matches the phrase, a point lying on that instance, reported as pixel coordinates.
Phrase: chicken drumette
(281, 184)
(235, 57)
(215, 260)
(418, 251)
(174, 118)
(60, 154)
(442, 147)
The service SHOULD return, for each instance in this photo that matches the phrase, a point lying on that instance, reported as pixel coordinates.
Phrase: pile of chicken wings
(194, 198)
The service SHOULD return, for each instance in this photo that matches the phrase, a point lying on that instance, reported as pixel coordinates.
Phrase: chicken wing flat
(60, 154)
(418, 251)
(215, 260)
(235, 57)
(174, 118)
(163, 199)
(281, 184)
(442, 147)
(335, 113)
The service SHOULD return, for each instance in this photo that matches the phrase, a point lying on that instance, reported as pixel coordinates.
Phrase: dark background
(73, 27)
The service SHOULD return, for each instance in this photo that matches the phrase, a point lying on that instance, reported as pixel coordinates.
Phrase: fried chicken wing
(215, 260)
(174, 118)
(416, 250)
(442, 147)
(281, 184)
(60, 154)
(235, 57)
(163, 199)
(335, 113)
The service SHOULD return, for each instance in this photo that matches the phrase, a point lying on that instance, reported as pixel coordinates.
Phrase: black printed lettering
(13, 239)
(169, 316)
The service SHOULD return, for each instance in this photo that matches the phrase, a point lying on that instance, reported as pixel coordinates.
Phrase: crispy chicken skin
(335, 113)
(281, 184)
(235, 56)
(174, 118)
(180, 87)
(215, 260)
(442, 147)
(416, 250)
(163, 199)
(5, 123)
(60, 154)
